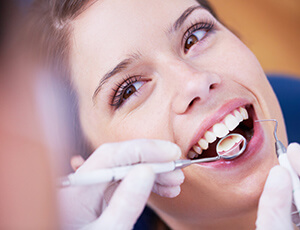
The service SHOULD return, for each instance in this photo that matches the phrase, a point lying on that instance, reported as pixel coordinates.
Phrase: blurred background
(270, 28)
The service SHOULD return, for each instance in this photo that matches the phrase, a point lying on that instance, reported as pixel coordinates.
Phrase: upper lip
(216, 117)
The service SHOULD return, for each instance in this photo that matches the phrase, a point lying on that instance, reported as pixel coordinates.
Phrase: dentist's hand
(118, 205)
(274, 210)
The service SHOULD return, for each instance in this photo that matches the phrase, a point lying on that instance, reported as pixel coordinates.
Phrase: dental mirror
(228, 148)
(231, 146)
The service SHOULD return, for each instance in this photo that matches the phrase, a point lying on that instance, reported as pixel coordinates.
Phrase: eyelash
(207, 25)
(120, 88)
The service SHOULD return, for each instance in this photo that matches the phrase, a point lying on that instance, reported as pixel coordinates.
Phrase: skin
(216, 70)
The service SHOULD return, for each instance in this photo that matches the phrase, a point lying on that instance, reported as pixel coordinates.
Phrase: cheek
(246, 70)
(146, 123)
(233, 61)
(240, 64)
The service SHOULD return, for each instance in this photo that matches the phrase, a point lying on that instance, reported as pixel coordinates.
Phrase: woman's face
(169, 70)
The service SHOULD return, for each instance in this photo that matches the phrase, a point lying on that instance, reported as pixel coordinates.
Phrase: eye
(126, 89)
(194, 38)
(196, 33)
(131, 90)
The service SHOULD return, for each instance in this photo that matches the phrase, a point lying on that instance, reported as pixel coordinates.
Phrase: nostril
(192, 102)
(212, 86)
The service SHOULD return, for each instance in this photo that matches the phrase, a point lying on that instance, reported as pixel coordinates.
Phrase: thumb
(274, 209)
(128, 200)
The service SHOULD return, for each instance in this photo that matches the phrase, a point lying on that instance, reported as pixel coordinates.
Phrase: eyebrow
(123, 65)
(178, 23)
(117, 69)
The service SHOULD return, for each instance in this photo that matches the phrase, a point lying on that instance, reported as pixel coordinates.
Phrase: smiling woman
(164, 70)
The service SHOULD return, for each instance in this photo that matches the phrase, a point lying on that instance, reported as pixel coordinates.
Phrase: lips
(238, 120)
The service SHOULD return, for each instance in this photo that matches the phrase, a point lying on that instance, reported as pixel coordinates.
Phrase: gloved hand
(84, 207)
(274, 210)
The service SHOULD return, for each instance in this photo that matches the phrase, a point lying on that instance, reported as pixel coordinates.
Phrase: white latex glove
(274, 210)
(83, 207)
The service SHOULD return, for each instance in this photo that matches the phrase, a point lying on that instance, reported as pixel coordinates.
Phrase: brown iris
(192, 40)
(129, 91)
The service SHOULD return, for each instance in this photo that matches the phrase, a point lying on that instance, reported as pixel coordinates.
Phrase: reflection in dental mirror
(228, 148)
(231, 146)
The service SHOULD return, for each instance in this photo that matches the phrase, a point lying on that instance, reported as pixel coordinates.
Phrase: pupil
(191, 41)
(128, 92)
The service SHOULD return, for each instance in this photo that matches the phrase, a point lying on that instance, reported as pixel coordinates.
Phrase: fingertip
(175, 191)
(168, 192)
(173, 178)
(153, 150)
(177, 151)
(76, 162)
(180, 175)
(293, 149)
(170, 149)
(294, 146)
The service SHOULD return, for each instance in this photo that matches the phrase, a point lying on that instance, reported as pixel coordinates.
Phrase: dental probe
(284, 161)
(118, 173)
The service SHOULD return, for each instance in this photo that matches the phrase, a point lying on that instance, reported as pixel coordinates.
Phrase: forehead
(109, 29)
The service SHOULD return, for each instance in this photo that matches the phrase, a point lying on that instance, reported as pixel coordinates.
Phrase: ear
(76, 162)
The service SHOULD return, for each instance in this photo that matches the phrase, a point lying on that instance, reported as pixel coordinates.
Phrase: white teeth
(238, 115)
(231, 122)
(192, 154)
(220, 130)
(203, 144)
(197, 149)
(210, 136)
(244, 113)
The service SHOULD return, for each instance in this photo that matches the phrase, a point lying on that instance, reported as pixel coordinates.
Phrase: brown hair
(48, 32)
(49, 28)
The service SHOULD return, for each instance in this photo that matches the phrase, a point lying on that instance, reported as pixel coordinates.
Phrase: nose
(190, 86)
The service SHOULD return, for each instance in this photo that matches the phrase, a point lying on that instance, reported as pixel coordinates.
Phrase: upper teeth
(221, 129)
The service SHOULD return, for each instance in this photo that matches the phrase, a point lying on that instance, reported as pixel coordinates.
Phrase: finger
(173, 178)
(130, 152)
(274, 210)
(128, 200)
(76, 162)
(293, 152)
(166, 191)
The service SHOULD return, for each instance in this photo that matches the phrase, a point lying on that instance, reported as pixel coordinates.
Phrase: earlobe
(76, 162)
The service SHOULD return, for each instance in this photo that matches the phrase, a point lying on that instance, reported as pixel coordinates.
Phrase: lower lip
(253, 147)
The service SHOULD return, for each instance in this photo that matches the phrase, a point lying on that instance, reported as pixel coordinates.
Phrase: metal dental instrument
(284, 161)
(118, 173)
(236, 150)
